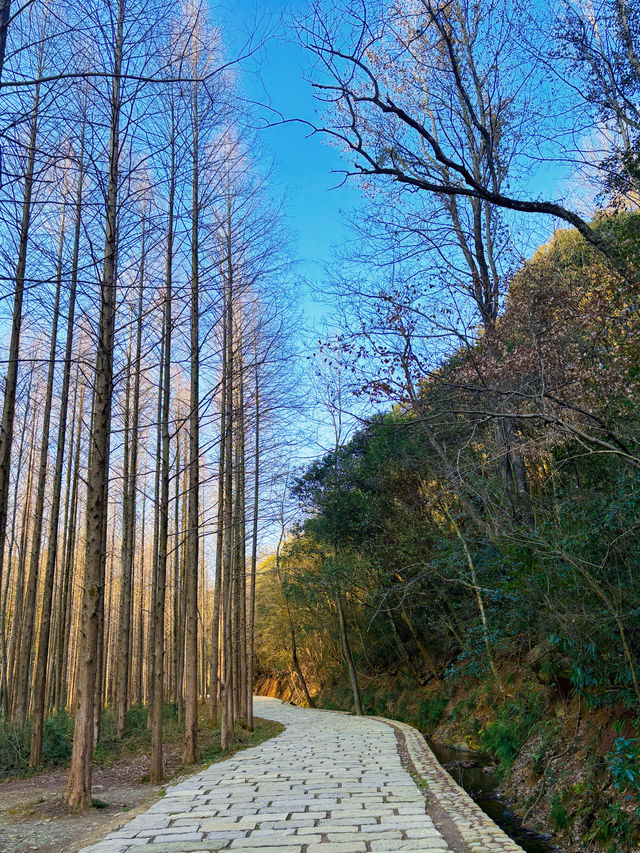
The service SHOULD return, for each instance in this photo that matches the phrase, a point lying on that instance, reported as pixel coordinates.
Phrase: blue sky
(305, 165)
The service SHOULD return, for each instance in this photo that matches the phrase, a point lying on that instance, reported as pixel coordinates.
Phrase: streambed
(475, 772)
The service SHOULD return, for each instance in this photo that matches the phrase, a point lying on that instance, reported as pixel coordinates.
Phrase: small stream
(475, 772)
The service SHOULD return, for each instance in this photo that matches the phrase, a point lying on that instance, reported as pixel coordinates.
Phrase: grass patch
(209, 740)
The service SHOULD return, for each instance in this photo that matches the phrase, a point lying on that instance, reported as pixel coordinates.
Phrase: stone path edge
(455, 814)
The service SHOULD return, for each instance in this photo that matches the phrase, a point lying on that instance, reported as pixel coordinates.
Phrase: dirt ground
(33, 815)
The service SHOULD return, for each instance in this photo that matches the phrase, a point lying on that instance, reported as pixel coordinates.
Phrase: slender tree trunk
(16, 626)
(156, 770)
(129, 519)
(29, 606)
(178, 637)
(227, 722)
(183, 582)
(52, 549)
(79, 790)
(100, 685)
(7, 578)
(479, 599)
(191, 578)
(105, 695)
(254, 540)
(346, 648)
(69, 561)
(217, 590)
(203, 599)
(138, 692)
(40, 680)
(5, 18)
(156, 531)
(11, 379)
(240, 536)
(296, 663)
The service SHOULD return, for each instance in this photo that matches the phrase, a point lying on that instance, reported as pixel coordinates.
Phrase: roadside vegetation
(110, 747)
(478, 573)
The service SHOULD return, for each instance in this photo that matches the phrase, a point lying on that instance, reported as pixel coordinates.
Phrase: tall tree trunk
(11, 379)
(203, 598)
(71, 511)
(129, 520)
(156, 771)
(5, 18)
(240, 536)
(29, 606)
(156, 532)
(100, 685)
(7, 578)
(183, 574)
(40, 679)
(254, 538)
(346, 649)
(79, 790)
(16, 626)
(178, 634)
(52, 549)
(191, 578)
(227, 723)
(138, 691)
(122, 669)
(217, 589)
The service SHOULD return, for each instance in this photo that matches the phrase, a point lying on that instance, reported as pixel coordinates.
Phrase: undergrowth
(58, 739)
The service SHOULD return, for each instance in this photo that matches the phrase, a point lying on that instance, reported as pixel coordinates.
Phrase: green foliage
(540, 754)
(337, 697)
(430, 712)
(558, 813)
(624, 762)
(14, 748)
(210, 750)
(135, 720)
(505, 735)
(615, 827)
(109, 744)
(57, 739)
(463, 708)
(457, 540)
(15, 744)
(169, 713)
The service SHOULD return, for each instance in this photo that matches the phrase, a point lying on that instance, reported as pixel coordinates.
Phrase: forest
(459, 548)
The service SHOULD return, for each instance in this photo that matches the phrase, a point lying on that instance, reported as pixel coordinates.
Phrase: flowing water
(475, 772)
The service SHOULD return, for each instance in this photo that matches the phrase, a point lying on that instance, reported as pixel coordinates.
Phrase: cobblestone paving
(330, 783)
(476, 829)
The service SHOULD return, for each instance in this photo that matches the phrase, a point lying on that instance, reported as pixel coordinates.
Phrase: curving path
(330, 783)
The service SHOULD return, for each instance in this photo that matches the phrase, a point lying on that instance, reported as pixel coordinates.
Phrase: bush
(624, 762)
(614, 824)
(135, 720)
(57, 739)
(558, 814)
(430, 712)
(169, 712)
(15, 744)
(463, 708)
(14, 748)
(505, 736)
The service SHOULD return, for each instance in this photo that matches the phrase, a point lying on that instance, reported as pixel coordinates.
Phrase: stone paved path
(330, 783)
